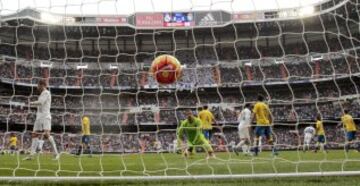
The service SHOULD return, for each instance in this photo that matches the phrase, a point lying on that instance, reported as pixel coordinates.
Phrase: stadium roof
(125, 7)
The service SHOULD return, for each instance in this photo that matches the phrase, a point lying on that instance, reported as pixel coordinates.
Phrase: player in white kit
(42, 125)
(244, 119)
(309, 133)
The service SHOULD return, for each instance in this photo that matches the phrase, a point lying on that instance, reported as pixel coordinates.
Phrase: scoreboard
(178, 19)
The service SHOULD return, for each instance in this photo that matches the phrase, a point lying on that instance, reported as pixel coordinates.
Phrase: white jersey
(244, 119)
(43, 109)
(309, 130)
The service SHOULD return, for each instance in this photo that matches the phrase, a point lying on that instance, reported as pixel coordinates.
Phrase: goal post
(182, 178)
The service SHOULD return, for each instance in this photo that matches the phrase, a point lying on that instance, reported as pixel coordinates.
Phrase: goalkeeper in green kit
(191, 128)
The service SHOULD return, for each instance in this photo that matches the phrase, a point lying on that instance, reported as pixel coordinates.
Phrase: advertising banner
(208, 18)
(149, 20)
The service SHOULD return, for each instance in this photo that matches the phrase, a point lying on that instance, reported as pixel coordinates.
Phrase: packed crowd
(165, 107)
(131, 114)
(207, 62)
(338, 26)
(260, 71)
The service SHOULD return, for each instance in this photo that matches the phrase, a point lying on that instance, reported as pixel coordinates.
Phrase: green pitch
(174, 164)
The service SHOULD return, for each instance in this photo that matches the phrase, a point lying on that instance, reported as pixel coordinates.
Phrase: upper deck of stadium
(253, 34)
(304, 42)
(194, 18)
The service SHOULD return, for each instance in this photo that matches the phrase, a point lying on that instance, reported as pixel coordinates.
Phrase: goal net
(304, 60)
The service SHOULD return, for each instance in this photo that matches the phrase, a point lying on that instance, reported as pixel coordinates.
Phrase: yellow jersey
(320, 128)
(13, 141)
(207, 119)
(262, 113)
(86, 126)
(348, 123)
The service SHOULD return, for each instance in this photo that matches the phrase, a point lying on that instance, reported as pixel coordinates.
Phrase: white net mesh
(99, 67)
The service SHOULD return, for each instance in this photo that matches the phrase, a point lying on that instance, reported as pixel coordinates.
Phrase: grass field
(173, 164)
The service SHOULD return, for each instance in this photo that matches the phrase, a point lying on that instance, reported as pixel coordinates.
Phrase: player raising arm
(42, 125)
(262, 115)
(207, 120)
(309, 133)
(191, 128)
(348, 124)
(244, 119)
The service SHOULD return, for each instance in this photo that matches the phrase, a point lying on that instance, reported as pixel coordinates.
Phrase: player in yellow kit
(348, 124)
(13, 143)
(320, 133)
(261, 113)
(207, 120)
(85, 140)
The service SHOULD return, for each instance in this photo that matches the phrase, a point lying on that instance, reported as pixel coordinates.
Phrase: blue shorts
(206, 134)
(351, 135)
(263, 131)
(321, 138)
(85, 139)
(12, 147)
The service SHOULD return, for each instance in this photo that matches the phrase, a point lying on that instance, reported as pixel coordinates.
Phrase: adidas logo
(208, 20)
(208, 17)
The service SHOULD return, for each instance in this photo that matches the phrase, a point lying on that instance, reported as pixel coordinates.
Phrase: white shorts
(307, 138)
(244, 133)
(42, 124)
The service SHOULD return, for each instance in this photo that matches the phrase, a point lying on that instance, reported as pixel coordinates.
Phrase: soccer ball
(166, 69)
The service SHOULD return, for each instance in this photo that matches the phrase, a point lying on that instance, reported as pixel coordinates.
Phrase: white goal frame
(179, 178)
(192, 177)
